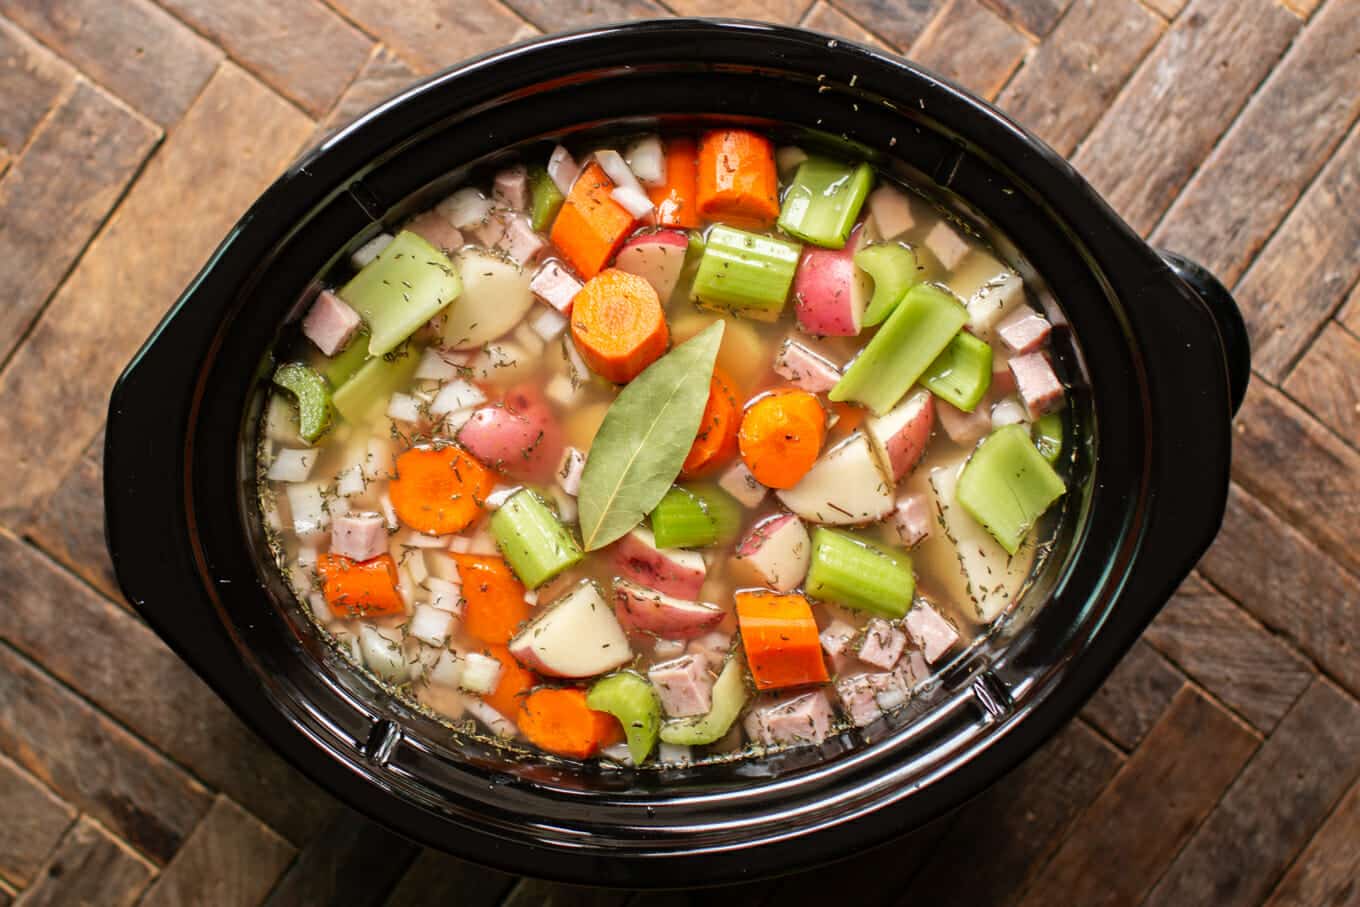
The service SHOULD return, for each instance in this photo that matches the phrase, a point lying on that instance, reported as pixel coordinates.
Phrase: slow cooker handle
(1232, 329)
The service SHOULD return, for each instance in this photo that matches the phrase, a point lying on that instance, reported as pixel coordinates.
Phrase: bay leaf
(644, 438)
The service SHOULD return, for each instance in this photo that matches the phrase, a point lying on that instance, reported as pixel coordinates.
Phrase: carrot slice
(559, 721)
(618, 325)
(675, 200)
(494, 605)
(781, 435)
(717, 439)
(779, 635)
(360, 588)
(591, 226)
(439, 490)
(513, 684)
(848, 418)
(738, 184)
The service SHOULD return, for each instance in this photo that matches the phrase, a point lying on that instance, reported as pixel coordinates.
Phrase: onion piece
(291, 465)
(647, 160)
(617, 169)
(633, 199)
(465, 208)
(563, 169)
(495, 722)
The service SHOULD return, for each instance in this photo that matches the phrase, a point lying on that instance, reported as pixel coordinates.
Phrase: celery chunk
(745, 273)
(1048, 436)
(532, 539)
(629, 697)
(893, 268)
(860, 574)
(823, 201)
(695, 516)
(962, 373)
(1007, 485)
(405, 286)
(729, 695)
(368, 390)
(342, 366)
(546, 199)
(313, 396)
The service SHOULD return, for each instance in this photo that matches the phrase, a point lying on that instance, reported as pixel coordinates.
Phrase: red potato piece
(643, 610)
(777, 552)
(900, 436)
(846, 486)
(830, 292)
(657, 258)
(519, 437)
(575, 636)
(671, 571)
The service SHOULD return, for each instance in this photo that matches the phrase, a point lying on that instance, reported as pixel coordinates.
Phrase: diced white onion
(382, 655)
(618, 752)
(617, 169)
(787, 159)
(307, 504)
(447, 671)
(499, 495)
(548, 324)
(560, 390)
(413, 539)
(403, 408)
(483, 543)
(633, 200)
(529, 338)
(531, 597)
(480, 673)
(566, 506)
(445, 595)
(673, 753)
(317, 602)
(415, 563)
(562, 169)
(647, 160)
(362, 256)
(281, 421)
(461, 544)
(457, 419)
(291, 465)
(465, 208)
(381, 458)
(495, 722)
(439, 365)
(576, 366)
(668, 648)
(389, 512)
(431, 625)
(350, 482)
(569, 471)
(1008, 412)
(306, 556)
(455, 395)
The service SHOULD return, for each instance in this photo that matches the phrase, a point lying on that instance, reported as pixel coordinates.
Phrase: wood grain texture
(1164, 791)
(1017, 824)
(1288, 584)
(1172, 111)
(351, 862)
(230, 860)
(1350, 315)
(301, 48)
(1285, 134)
(1327, 382)
(1037, 17)
(437, 878)
(35, 820)
(1167, 9)
(90, 867)
(383, 75)
(1071, 78)
(431, 34)
(538, 893)
(1328, 871)
(1273, 807)
(971, 45)
(881, 873)
(785, 11)
(32, 81)
(828, 20)
(136, 267)
(1232, 656)
(898, 22)
(557, 15)
(1134, 696)
(131, 47)
(60, 191)
(70, 525)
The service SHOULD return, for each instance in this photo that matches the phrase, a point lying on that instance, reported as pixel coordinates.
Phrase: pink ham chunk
(519, 240)
(866, 697)
(1039, 387)
(712, 647)
(964, 428)
(804, 718)
(805, 369)
(554, 285)
(436, 230)
(931, 633)
(1023, 330)
(890, 211)
(684, 686)
(359, 535)
(836, 642)
(912, 519)
(882, 645)
(330, 323)
(511, 188)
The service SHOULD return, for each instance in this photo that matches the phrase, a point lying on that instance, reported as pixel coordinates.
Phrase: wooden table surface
(1217, 766)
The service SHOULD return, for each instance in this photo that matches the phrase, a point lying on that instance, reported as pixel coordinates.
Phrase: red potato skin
(906, 446)
(518, 437)
(643, 610)
(651, 568)
(646, 256)
(828, 300)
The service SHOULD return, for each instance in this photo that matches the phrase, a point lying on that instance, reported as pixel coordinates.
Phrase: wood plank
(301, 49)
(35, 820)
(1350, 315)
(63, 625)
(57, 195)
(1076, 72)
(1302, 8)
(1134, 696)
(437, 878)
(898, 24)
(540, 893)
(1299, 469)
(1163, 792)
(1328, 869)
(1180, 101)
(432, 34)
(1273, 807)
(93, 763)
(1017, 823)
(136, 267)
(1304, 273)
(1288, 584)
(1167, 9)
(785, 11)
(90, 867)
(1037, 17)
(70, 525)
(7, 895)
(1232, 656)
(230, 860)
(132, 47)
(828, 20)
(351, 863)
(383, 75)
(557, 15)
(1327, 381)
(32, 81)
(1285, 134)
(971, 45)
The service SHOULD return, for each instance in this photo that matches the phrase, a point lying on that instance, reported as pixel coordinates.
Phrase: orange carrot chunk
(591, 226)
(493, 599)
(618, 325)
(360, 588)
(675, 200)
(717, 439)
(439, 490)
(738, 184)
(781, 435)
(512, 685)
(559, 721)
(779, 635)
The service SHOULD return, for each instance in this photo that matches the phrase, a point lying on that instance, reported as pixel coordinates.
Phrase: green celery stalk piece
(537, 546)
(695, 516)
(915, 333)
(367, 391)
(962, 373)
(893, 268)
(313, 395)
(860, 574)
(729, 695)
(405, 286)
(1007, 485)
(823, 201)
(745, 273)
(342, 366)
(1048, 436)
(630, 697)
(546, 199)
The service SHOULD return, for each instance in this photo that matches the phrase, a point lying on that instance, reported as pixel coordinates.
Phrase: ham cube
(519, 240)
(912, 519)
(511, 188)
(947, 245)
(359, 536)
(866, 697)
(436, 230)
(1003, 382)
(683, 685)
(805, 369)
(931, 633)
(961, 427)
(883, 644)
(1023, 330)
(891, 211)
(798, 720)
(740, 484)
(713, 648)
(1039, 387)
(554, 285)
(330, 323)
(836, 637)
